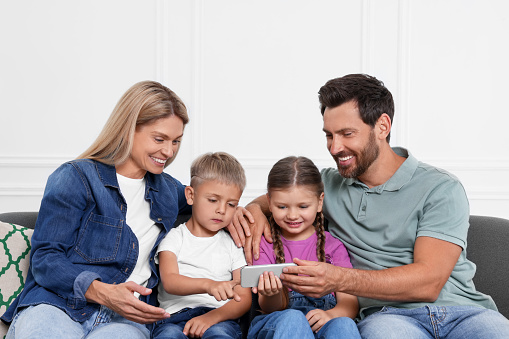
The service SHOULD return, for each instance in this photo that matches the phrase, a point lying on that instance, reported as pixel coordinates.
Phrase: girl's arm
(347, 306)
(177, 284)
(271, 297)
(233, 309)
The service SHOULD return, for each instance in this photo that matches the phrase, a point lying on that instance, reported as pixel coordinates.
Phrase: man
(404, 223)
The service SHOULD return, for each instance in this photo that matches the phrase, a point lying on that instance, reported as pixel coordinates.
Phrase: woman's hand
(260, 226)
(239, 227)
(120, 299)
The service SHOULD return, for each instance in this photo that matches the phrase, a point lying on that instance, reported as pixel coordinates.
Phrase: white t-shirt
(213, 257)
(138, 219)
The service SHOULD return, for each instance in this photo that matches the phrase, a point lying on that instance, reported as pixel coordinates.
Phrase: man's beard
(363, 161)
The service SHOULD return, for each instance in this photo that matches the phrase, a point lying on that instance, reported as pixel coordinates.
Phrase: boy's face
(214, 204)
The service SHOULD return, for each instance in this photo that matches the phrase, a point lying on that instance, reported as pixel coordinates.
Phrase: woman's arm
(120, 298)
(253, 217)
(56, 233)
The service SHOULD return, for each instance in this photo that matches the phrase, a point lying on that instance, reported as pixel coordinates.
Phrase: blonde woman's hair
(219, 166)
(143, 103)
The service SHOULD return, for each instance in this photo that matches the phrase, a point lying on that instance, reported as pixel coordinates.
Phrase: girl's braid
(320, 235)
(277, 243)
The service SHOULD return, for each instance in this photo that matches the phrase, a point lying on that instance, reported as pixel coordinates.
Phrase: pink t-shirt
(335, 252)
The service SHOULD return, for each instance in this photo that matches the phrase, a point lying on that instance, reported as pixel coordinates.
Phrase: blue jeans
(46, 321)
(292, 322)
(173, 326)
(435, 322)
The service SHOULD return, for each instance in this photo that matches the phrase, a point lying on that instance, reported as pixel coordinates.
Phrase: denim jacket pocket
(100, 239)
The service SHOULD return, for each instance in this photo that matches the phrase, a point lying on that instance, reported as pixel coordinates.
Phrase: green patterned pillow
(14, 260)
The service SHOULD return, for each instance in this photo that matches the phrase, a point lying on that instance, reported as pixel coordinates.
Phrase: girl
(101, 218)
(295, 195)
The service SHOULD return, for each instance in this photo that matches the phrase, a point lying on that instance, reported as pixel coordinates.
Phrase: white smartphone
(249, 275)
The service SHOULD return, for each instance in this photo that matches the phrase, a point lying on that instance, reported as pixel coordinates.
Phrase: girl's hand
(317, 318)
(268, 284)
(196, 327)
(222, 290)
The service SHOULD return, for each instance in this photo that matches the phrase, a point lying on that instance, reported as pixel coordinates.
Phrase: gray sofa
(487, 248)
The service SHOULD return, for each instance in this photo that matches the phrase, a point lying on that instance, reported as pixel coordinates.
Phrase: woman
(101, 218)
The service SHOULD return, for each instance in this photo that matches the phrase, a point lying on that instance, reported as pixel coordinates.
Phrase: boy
(199, 262)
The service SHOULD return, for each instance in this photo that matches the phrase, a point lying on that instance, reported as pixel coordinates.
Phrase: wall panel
(249, 73)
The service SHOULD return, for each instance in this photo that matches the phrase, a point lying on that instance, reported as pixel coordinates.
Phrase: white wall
(249, 72)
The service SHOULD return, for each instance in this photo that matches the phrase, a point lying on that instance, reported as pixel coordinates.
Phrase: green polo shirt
(379, 225)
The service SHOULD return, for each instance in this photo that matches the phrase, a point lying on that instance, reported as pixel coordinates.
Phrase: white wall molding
(162, 42)
(403, 76)
(368, 41)
(197, 76)
(33, 161)
(19, 190)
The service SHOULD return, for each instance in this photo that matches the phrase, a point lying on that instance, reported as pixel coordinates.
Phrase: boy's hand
(196, 327)
(317, 318)
(268, 284)
(222, 290)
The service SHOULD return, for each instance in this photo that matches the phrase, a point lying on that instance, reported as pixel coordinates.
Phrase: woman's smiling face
(154, 143)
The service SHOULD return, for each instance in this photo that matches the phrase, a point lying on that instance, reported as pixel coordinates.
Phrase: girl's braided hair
(286, 173)
(289, 172)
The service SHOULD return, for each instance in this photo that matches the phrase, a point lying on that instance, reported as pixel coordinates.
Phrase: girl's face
(154, 143)
(294, 210)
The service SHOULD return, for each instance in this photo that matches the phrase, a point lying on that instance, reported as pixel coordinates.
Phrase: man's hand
(120, 299)
(311, 278)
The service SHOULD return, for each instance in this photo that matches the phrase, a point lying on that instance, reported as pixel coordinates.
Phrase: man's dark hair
(372, 97)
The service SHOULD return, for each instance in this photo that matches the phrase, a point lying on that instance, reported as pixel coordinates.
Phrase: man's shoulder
(434, 175)
(331, 174)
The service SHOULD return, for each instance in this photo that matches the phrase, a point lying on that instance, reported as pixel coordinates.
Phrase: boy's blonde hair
(219, 166)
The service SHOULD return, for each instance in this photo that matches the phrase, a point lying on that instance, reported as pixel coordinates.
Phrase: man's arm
(256, 212)
(422, 280)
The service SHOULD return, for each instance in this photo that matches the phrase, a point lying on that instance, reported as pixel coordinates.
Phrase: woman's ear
(320, 203)
(189, 192)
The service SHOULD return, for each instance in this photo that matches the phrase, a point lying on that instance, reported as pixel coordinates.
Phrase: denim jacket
(81, 236)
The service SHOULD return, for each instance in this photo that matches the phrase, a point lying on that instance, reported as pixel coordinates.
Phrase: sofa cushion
(14, 261)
